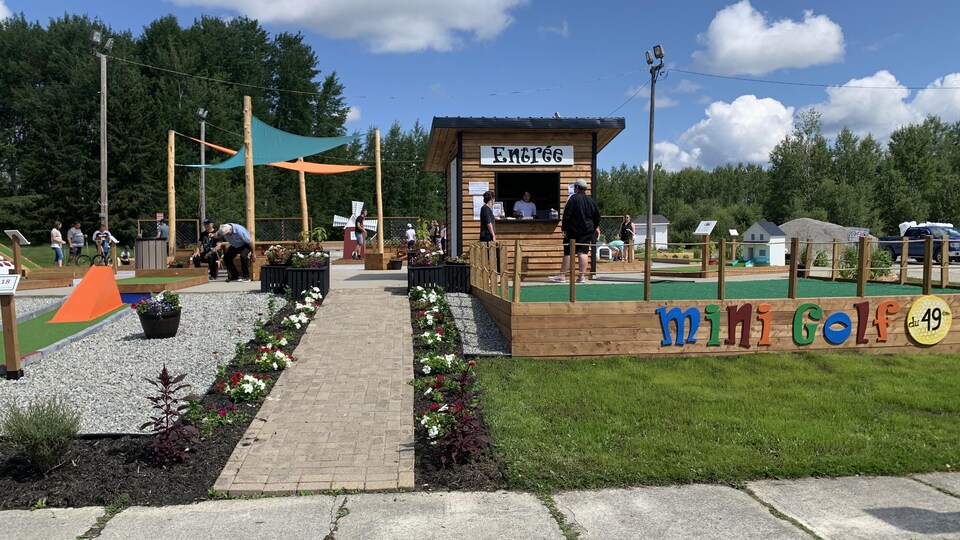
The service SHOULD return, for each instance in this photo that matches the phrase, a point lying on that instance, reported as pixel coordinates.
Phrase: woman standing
(56, 242)
(360, 235)
(627, 231)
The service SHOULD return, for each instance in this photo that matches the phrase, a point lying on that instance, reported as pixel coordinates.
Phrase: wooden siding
(599, 329)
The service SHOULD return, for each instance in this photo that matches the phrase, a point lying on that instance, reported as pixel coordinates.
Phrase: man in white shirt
(411, 235)
(524, 208)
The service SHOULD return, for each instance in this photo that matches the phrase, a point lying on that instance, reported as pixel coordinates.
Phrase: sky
(736, 74)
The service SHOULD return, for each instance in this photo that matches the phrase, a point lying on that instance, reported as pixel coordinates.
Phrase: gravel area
(478, 334)
(27, 305)
(102, 374)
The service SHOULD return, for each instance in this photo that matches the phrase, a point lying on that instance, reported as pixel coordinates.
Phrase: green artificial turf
(581, 424)
(25, 260)
(37, 333)
(735, 290)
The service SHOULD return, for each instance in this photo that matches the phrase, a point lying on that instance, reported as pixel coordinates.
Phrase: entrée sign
(526, 155)
(928, 322)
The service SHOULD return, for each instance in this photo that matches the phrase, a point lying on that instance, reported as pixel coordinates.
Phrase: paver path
(342, 415)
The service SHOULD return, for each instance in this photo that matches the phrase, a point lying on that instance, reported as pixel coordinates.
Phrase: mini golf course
(37, 333)
(734, 290)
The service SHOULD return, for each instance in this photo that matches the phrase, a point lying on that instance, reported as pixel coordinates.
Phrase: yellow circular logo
(928, 320)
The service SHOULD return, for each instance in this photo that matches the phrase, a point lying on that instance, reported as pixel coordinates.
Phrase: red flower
(472, 363)
(434, 406)
(440, 331)
(439, 378)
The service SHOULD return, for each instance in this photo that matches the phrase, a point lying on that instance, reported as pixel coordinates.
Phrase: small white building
(765, 244)
(660, 226)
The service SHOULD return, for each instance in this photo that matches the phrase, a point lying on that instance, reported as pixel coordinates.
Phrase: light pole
(202, 115)
(96, 38)
(654, 73)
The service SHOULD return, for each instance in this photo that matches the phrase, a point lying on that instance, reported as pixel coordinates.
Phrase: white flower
(247, 388)
(433, 431)
(426, 370)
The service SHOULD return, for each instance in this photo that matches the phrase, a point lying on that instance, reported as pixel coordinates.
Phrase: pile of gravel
(30, 306)
(478, 333)
(102, 375)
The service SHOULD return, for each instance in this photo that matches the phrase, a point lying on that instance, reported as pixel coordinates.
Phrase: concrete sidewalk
(921, 506)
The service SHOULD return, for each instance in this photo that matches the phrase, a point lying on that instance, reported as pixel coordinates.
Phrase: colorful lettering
(678, 317)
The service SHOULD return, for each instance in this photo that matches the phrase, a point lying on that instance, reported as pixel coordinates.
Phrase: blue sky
(870, 66)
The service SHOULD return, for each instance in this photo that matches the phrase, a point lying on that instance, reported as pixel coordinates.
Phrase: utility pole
(202, 114)
(96, 38)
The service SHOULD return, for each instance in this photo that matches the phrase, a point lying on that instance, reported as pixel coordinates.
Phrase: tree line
(157, 80)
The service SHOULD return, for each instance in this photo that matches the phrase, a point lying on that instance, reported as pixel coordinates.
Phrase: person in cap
(411, 236)
(581, 222)
(238, 242)
(206, 251)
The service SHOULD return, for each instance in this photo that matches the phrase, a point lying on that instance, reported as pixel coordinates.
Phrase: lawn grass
(27, 253)
(583, 424)
(36, 333)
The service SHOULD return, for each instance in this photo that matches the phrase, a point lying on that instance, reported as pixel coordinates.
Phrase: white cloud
(740, 39)
(386, 26)
(942, 103)
(672, 158)
(563, 30)
(353, 114)
(5, 12)
(686, 86)
(745, 130)
(875, 104)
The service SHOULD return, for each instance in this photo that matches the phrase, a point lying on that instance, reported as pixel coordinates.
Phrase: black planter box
(301, 279)
(456, 278)
(425, 276)
(273, 278)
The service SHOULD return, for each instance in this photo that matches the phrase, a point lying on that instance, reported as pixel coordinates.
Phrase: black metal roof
(771, 228)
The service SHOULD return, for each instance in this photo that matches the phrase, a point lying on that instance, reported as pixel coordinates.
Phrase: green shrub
(821, 259)
(41, 431)
(880, 264)
(848, 263)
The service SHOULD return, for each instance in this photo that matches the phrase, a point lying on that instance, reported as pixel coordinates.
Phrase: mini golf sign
(927, 323)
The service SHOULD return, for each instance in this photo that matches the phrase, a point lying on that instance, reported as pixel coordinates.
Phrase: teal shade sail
(271, 145)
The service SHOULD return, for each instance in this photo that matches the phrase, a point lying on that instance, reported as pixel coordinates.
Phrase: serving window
(544, 188)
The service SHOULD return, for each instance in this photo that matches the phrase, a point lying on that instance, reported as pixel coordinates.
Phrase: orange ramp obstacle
(96, 294)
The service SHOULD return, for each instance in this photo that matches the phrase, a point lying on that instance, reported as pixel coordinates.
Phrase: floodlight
(108, 45)
(649, 58)
(658, 52)
(95, 37)
(202, 113)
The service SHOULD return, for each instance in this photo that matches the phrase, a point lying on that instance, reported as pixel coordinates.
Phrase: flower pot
(160, 326)
(425, 276)
(395, 264)
(456, 278)
(301, 279)
(273, 278)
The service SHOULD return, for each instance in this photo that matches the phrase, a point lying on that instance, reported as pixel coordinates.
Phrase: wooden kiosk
(509, 156)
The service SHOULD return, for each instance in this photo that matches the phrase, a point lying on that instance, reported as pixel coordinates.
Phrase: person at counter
(488, 231)
(524, 208)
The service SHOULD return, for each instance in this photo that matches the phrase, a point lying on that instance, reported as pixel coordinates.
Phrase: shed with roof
(510, 156)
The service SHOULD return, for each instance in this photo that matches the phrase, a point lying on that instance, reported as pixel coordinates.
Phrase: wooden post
(248, 169)
(647, 265)
(491, 267)
(11, 345)
(862, 266)
(380, 227)
(721, 263)
(574, 263)
(904, 259)
(474, 268)
(705, 255)
(171, 195)
(304, 221)
(794, 256)
(733, 248)
(517, 261)
(945, 262)
(501, 272)
(808, 260)
(835, 262)
(113, 258)
(927, 264)
(17, 263)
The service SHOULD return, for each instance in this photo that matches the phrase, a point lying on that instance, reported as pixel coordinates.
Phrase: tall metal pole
(103, 139)
(203, 170)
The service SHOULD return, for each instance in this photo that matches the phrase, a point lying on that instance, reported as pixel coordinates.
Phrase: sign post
(8, 309)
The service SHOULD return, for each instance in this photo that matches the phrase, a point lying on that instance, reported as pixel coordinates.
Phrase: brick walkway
(342, 415)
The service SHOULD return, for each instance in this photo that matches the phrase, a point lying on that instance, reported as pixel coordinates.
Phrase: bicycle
(81, 259)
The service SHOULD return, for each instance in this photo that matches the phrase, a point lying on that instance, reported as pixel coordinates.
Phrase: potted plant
(273, 275)
(425, 268)
(307, 270)
(159, 315)
(456, 272)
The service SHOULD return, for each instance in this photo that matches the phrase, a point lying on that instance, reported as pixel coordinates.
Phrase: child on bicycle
(102, 239)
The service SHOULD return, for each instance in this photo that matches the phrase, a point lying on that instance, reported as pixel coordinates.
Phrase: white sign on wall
(526, 155)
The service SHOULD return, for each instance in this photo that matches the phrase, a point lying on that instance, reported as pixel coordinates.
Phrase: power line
(815, 85)
(628, 100)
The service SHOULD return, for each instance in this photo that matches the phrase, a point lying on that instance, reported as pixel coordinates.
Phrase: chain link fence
(272, 230)
(188, 231)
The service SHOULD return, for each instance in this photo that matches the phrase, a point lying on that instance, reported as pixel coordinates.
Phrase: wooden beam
(794, 256)
(248, 168)
(11, 347)
(927, 264)
(304, 220)
(517, 261)
(380, 227)
(171, 194)
(647, 266)
(721, 271)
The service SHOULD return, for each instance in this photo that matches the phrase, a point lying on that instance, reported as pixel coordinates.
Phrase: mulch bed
(481, 473)
(98, 470)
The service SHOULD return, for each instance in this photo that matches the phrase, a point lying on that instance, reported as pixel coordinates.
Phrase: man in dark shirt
(581, 222)
(488, 232)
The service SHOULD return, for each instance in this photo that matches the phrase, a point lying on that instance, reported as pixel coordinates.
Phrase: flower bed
(453, 444)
